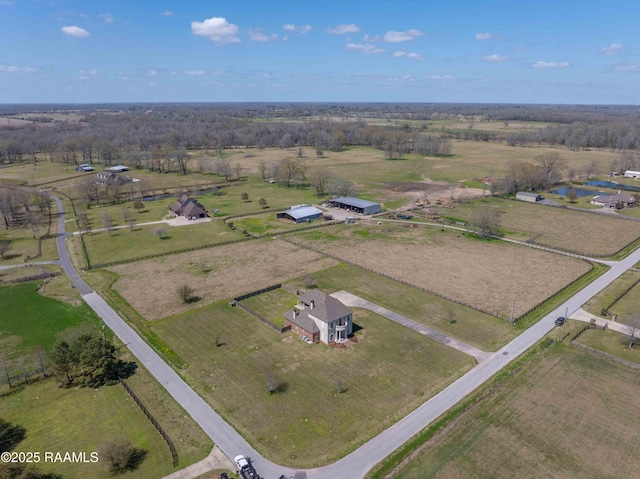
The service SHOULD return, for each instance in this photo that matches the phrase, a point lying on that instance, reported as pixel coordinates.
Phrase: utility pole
(513, 307)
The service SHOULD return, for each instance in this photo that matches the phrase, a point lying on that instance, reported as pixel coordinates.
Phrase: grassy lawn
(83, 419)
(26, 271)
(627, 305)
(611, 342)
(269, 224)
(272, 305)
(125, 243)
(554, 227)
(448, 262)
(30, 319)
(387, 374)
(473, 327)
(567, 414)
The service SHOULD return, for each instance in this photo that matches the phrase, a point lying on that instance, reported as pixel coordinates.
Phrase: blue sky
(333, 51)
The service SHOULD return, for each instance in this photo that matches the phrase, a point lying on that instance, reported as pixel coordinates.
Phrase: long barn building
(356, 204)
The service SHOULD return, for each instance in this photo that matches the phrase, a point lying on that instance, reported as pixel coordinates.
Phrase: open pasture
(127, 243)
(215, 274)
(492, 275)
(626, 306)
(567, 415)
(331, 399)
(587, 233)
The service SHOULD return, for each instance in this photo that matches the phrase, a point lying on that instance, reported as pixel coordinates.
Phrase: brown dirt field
(151, 286)
(571, 415)
(486, 274)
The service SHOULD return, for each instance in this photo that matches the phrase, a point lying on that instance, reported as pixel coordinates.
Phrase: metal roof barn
(301, 214)
(356, 204)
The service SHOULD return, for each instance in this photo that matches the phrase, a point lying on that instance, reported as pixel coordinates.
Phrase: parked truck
(245, 469)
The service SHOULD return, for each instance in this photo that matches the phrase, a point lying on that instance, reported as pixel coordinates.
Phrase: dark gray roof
(622, 196)
(303, 320)
(326, 308)
(357, 202)
(528, 194)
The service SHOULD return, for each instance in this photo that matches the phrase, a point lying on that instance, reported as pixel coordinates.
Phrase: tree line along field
(486, 274)
(329, 400)
(562, 414)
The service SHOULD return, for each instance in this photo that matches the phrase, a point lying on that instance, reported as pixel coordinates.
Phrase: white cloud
(371, 39)
(258, 36)
(15, 69)
(494, 58)
(395, 37)
(194, 72)
(626, 68)
(342, 29)
(550, 65)
(415, 56)
(217, 29)
(484, 36)
(612, 49)
(301, 29)
(166, 13)
(6, 2)
(92, 72)
(152, 73)
(363, 48)
(74, 31)
(443, 77)
(107, 17)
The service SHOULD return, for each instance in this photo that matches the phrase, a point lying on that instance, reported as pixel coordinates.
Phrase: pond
(579, 191)
(612, 184)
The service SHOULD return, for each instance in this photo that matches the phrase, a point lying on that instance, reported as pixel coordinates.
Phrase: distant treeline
(109, 134)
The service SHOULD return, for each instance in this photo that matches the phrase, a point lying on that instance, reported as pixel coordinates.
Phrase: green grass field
(272, 305)
(268, 224)
(473, 327)
(30, 319)
(387, 374)
(604, 298)
(84, 420)
(611, 342)
(126, 244)
(566, 414)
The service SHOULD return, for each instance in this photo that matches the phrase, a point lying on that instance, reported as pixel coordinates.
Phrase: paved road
(358, 302)
(359, 462)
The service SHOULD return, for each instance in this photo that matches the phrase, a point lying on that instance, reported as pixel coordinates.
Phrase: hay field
(587, 233)
(486, 274)
(215, 274)
(568, 415)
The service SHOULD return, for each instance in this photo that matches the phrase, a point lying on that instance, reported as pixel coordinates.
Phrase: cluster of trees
(87, 360)
(524, 176)
(22, 208)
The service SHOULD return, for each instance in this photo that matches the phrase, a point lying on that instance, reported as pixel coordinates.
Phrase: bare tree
(572, 196)
(486, 220)
(40, 357)
(263, 202)
(138, 205)
(6, 367)
(591, 169)
(245, 197)
(107, 221)
(185, 292)
(238, 169)
(223, 168)
(160, 233)
(273, 383)
(5, 246)
(262, 168)
(634, 325)
(320, 181)
(127, 217)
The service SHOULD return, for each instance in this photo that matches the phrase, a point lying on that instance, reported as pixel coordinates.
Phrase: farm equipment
(403, 217)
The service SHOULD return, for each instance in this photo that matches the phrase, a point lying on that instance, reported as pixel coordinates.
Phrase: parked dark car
(560, 321)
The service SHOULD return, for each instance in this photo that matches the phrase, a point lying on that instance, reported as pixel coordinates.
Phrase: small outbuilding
(528, 196)
(357, 205)
(301, 213)
(119, 169)
(85, 167)
(632, 174)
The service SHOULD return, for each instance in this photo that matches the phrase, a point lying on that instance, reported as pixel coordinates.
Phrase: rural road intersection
(359, 462)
